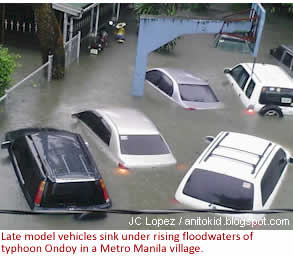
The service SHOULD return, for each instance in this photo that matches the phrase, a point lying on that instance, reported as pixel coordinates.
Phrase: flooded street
(106, 80)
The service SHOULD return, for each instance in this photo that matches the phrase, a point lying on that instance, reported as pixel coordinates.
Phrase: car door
(238, 76)
(154, 77)
(166, 85)
(97, 129)
(247, 96)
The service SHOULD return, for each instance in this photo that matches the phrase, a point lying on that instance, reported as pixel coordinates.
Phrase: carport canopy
(75, 9)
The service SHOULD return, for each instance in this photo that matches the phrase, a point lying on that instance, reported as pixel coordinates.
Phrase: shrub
(7, 67)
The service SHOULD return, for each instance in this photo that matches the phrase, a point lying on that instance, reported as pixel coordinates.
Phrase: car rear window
(276, 96)
(73, 193)
(197, 93)
(220, 189)
(65, 155)
(143, 145)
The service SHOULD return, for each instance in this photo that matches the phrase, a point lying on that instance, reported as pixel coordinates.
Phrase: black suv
(55, 170)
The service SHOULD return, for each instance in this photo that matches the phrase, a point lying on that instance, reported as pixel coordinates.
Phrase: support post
(92, 20)
(78, 46)
(70, 34)
(50, 67)
(65, 28)
(118, 12)
(97, 20)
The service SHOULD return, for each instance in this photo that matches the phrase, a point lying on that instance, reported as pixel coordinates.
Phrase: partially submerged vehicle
(56, 170)
(185, 89)
(127, 136)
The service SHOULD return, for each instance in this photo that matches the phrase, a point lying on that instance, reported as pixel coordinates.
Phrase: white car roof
(270, 75)
(129, 121)
(237, 155)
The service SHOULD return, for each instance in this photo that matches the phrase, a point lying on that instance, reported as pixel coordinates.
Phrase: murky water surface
(106, 80)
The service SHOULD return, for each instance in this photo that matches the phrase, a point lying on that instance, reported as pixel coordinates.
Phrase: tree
(7, 66)
(158, 9)
(50, 38)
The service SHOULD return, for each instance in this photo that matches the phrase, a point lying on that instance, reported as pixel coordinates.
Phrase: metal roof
(75, 9)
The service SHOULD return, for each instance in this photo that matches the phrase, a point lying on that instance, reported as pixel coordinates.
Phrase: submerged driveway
(106, 80)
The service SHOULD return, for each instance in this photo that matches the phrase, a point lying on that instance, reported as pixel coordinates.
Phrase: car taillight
(189, 108)
(105, 193)
(39, 194)
(250, 110)
(121, 166)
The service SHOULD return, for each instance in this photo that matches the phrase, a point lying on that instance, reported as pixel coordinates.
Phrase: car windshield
(143, 145)
(220, 189)
(197, 93)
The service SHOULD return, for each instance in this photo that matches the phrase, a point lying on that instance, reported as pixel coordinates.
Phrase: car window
(273, 174)
(154, 76)
(240, 75)
(166, 85)
(143, 145)
(243, 79)
(278, 53)
(235, 73)
(250, 88)
(76, 193)
(287, 60)
(28, 167)
(197, 93)
(97, 125)
(220, 189)
(276, 96)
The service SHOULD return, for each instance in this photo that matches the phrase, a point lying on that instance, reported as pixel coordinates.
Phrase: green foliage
(7, 67)
(155, 9)
(158, 9)
(236, 7)
(196, 7)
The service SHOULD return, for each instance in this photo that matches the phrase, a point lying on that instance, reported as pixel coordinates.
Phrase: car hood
(148, 161)
(202, 105)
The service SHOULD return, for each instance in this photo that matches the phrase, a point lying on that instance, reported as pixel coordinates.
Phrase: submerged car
(262, 88)
(127, 136)
(235, 172)
(187, 90)
(232, 43)
(284, 56)
(55, 170)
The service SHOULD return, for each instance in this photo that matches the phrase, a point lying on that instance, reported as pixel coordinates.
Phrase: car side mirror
(5, 144)
(209, 139)
(74, 115)
(227, 70)
(290, 160)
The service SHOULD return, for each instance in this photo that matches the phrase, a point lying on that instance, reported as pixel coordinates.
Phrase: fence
(40, 76)
(19, 26)
(72, 50)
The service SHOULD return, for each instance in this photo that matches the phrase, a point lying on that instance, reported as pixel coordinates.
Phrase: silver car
(185, 89)
(127, 136)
